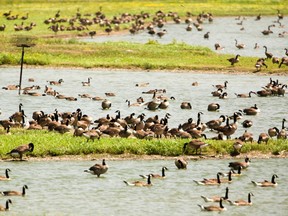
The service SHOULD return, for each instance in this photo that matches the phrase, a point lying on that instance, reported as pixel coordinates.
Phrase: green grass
(55, 144)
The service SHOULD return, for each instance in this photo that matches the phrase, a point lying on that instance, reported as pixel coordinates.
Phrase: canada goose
(15, 193)
(217, 93)
(259, 64)
(153, 105)
(142, 84)
(258, 17)
(6, 177)
(229, 129)
(98, 169)
(20, 150)
(7, 207)
(233, 173)
(213, 107)
(59, 82)
(110, 94)
(189, 27)
(281, 91)
(239, 46)
(246, 137)
(245, 95)
(224, 95)
(268, 55)
(158, 176)
(215, 123)
(216, 198)
(92, 33)
(254, 110)
(256, 46)
(164, 104)
(6, 14)
(284, 61)
(186, 105)
(2, 27)
(247, 123)
(280, 16)
(140, 183)
(220, 86)
(242, 202)
(217, 46)
(206, 35)
(133, 104)
(266, 183)
(244, 164)
(263, 137)
(181, 163)
(272, 132)
(268, 31)
(106, 104)
(195, 145)
(234, 60)
(212, 181)
(11, 87)
(160, 34)
(214, 208)
(87, 83)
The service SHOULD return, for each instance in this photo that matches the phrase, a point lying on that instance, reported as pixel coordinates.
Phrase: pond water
(63, 188)
(122, 83)
(223, 30)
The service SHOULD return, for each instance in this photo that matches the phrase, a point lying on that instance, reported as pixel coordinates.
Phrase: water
(63, 188)
(223, 30)
(122, 83)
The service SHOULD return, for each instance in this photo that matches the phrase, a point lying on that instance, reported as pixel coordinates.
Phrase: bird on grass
(21, 150)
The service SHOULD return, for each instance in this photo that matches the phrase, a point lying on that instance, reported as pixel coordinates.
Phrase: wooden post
(21, 70)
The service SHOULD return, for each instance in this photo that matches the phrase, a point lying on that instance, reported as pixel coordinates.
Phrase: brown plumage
(214, 208)
(15, 193)
(181, 163)
(158, 176)
(244, 164)
(98, 169)
(21, 150)
(234, 60)
(7, 207)
(6, 177)
(140, 183)
(266, 183)
(195, 145)
(242, 202)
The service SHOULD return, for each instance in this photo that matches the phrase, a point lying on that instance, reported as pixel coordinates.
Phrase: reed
(55, 144)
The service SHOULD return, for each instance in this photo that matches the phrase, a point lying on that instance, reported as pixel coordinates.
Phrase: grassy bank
(54, 49)
(55, 144)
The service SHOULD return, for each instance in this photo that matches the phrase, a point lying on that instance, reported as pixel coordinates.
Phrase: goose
(11, 87)
(217, 93)
(220, 86)
(59, 82)
(235, 174)
(110, 94)
(254, 110)
(7, 207)
(247, 123)
(268, 54)
(216, 198)
(186, 105)
(106, 104)
(214, 208)
(215, 123)
(242, 202)
(142, 84)
(239, 46)
(153, 105)
(98, 169)
(266, 183)
(213, 107)
(181, 163)
(284, 61)
(217, 46)
(272, 132)
(164, 104)
(206, 35)
(189, 27)
(256, 46)
(158, 176)
(280, 16)
(160, 34)
(212, 181)
(234, 60)
(244, 164)
(281, 91)
(259, 64)
(224, 95)
(195, 145)
(15, 193)
(6, 177)
(237, 145)
(21, 150)
(263, 137)
(268, 31)
(2, 27)
(258, 17)
(140, 183)
(246, 137)
(87, 83)
(245, 95)
(133, 104)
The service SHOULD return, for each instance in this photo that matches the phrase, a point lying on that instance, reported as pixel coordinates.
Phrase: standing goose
(214, 208)
(21, 150)
(216, 198)
(263, 137)
(158, 176)
(195, 145)
(140, 183)
(244, 165)
(266, 183)
(239, 46)
(181, 163)
(98, 169)
(234, 60)
(6, 177)
(268, 54)
(6, 208)
(87, 83)
(242, 202)
(15, 193)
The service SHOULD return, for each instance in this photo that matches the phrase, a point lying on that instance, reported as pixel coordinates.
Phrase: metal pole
(21, 69)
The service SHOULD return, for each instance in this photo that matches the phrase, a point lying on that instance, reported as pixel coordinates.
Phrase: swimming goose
(212, 181)
(6, 177)
(217, 93)
(158, 176)
(11, 87)
(181, 163)
(106, 104)
(140, 183)
(218, 46)
(59, 82)
(254, 110)
(213, 107)
(242, 202)
(87, 83)
(98, 169)
(186, 105)
(266, 183)
(195, 145)
(247, 123)
(20, 150)
(7, 207)
(239, 46)
(206, 35)
(268, 31)
(245, 95)
(142, 84)
(235, 165)
(15, 193)
(216, 198)
(214, 208)
(220, 86)
(234, 60)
